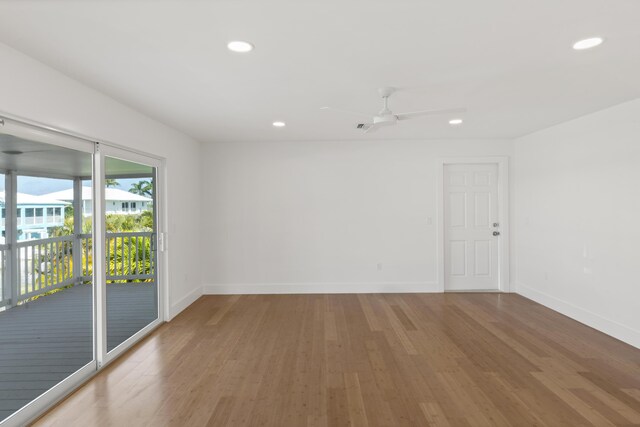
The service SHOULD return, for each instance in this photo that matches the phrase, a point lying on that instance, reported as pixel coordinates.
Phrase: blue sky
(38, 186)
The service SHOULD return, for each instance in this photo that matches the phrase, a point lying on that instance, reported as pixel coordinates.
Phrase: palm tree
(111, 183)
(142, 188)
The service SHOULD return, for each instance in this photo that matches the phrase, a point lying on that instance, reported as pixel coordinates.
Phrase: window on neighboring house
(125, 206)
(39, 215)
(19, 216)
(3, 216)
(133, 206)
(29, 214)
(54, 214)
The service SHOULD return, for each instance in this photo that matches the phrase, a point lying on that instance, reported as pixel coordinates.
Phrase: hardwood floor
(334, 360)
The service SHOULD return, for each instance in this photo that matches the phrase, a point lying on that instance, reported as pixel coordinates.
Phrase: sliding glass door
(80, 272)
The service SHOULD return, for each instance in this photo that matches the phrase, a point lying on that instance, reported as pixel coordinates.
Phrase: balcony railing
(130, 257)
(45, 265)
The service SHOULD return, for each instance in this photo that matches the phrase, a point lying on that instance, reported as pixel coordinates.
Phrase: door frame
(503, 215)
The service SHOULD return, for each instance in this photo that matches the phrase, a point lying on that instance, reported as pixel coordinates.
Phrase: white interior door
(471, 227)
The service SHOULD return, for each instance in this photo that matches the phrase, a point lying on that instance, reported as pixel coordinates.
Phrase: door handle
(496, 233)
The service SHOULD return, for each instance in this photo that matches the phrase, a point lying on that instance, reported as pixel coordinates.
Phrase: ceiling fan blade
(410, 115)
(370, 127)
(355, 113)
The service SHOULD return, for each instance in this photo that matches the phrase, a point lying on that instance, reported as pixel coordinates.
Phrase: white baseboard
(322, 288)
(185, 302)
(617, 330)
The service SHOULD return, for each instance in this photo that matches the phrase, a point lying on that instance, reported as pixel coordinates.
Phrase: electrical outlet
(379, 266)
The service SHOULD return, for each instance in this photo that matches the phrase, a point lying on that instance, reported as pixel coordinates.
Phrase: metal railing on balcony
(44, 265)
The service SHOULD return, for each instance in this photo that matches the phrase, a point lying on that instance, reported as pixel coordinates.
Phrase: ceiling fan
(386, 117)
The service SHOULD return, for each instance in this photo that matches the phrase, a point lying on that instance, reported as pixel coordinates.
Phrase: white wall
(31, 90)
(577, 219)
(320, 216)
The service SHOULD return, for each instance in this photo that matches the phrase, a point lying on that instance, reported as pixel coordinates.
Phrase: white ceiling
(509, 62)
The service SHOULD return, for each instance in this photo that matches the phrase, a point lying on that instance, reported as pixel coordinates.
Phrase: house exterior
(35, 215)
(116, 201)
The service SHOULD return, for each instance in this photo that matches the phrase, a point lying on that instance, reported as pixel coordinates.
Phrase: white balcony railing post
(11, 236)
(77, 230)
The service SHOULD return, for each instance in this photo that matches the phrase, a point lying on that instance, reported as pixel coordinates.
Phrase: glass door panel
(130, 249)
(46, 299)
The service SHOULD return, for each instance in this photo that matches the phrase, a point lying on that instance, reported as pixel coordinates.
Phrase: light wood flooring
(377, 360)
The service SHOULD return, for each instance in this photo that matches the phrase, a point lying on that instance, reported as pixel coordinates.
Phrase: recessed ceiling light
(455, 121)
(279, 124)
(240, 46)
(588, 43)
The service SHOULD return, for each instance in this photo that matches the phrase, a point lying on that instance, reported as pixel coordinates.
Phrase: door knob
(496, 233)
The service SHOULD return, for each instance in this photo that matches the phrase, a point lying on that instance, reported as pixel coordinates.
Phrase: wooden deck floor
(378, 360)
(46, 340)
